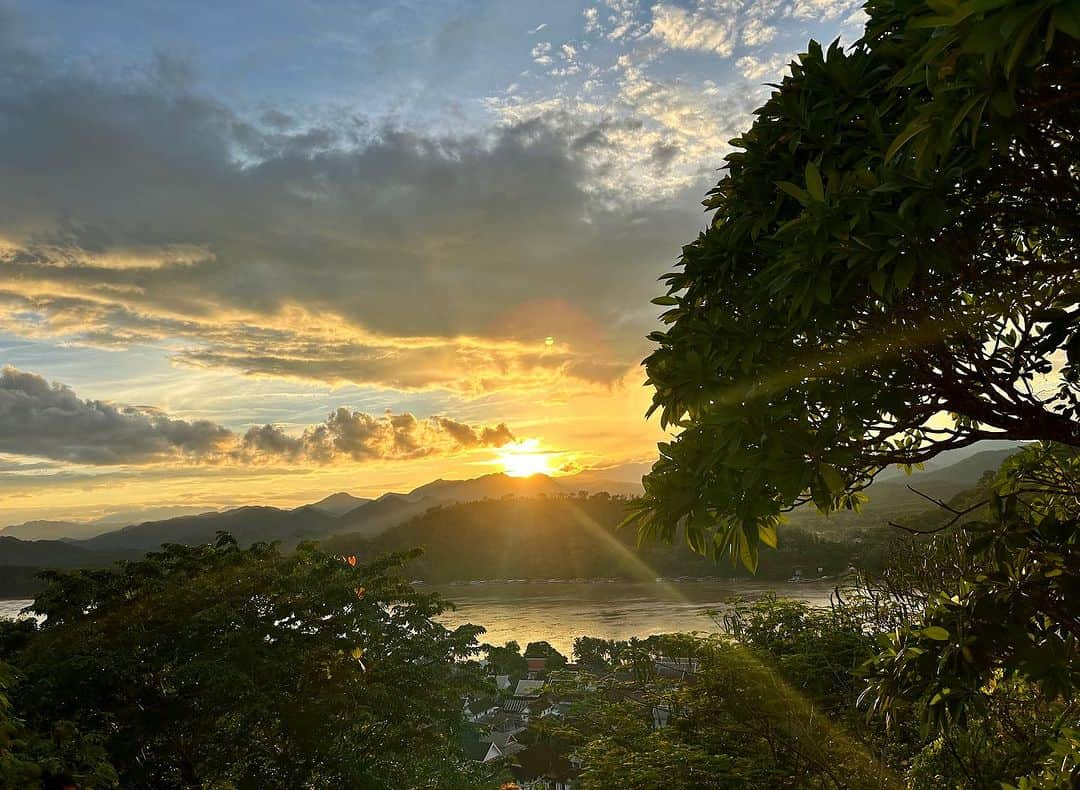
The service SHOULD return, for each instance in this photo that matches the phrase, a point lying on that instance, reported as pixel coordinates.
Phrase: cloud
(771, 68)
(541, 53)
(718, 26)
(678, 28)
(824, 10)
(592, 20)
(618, 139)
(44, 420)
(756, 33)
(332, 248)
(50, 421)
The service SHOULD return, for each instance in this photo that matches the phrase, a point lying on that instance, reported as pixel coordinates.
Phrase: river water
(561, 611)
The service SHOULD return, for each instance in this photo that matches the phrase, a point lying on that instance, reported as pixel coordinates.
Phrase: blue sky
(226, 221)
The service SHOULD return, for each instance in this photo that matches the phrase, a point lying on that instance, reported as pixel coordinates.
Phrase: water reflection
(561, 611)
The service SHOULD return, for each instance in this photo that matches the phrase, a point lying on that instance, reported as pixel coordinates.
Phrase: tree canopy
(890, 272)
(227, 667)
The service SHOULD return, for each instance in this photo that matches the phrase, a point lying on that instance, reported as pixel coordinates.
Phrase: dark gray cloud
(49, 420)
(143, 210)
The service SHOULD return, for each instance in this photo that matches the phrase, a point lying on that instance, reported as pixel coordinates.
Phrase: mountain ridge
(367, 518)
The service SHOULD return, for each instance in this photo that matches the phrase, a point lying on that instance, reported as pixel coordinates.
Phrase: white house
(529, 689)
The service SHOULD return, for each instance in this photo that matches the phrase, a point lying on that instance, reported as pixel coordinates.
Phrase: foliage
(597, 655)
(819, 651)
(217, 666)
(648, 760)
(27, 758)
(735, 722)
(506, 660)
(1013, 739)
(543, 649)
(1008, 618)
(894, 239)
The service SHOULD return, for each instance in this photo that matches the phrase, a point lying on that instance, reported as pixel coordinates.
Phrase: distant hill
(54, 530)
(567, 537)
(79, 530)
(339, 504)
(340, 512)
(22, 560)
(415, 515)
(942, 482)
(391, 509)
(45, 553)
(890, 499)
(246, 524)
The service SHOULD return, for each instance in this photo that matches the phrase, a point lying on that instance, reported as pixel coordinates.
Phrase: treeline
(571, 537)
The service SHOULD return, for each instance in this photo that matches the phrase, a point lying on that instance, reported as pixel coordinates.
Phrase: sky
(262, 252)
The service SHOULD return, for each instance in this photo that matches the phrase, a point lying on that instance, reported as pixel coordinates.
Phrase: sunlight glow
(524, 459)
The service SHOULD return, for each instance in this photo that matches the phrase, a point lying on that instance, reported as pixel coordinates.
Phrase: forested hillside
(569, 537)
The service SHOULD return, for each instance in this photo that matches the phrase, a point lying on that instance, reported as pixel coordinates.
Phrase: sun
(525, 459)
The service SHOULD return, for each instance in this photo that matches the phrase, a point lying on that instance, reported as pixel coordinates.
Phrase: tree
(506, 660)
(735, 722)
(27, 758)
(543, 649)
(221, 666)
(890, 271)
(1008, 617)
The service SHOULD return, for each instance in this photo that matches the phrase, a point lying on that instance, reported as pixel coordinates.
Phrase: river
(561, 611)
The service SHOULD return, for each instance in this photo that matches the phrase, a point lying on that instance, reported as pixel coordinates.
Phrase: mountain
(340, 512)
(22, 560)
(42, 530)
(979, 453)
(392, 509)
(942, 482)
(345, 513)
(568, 537)
(339, 504)
(246, 524)
(80, 530)
(44, 553)
(890, 499)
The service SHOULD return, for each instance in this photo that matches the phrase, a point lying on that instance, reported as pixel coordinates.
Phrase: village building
(541, 767)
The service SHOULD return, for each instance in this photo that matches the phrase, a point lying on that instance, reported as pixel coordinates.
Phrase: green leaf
(748, 554)
(916, 127)
(1067, 19)
(877, 282)
(834, 481)
(813, 183)
(935, 632)
(904, 272)
(795, 191)
(665, 301)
